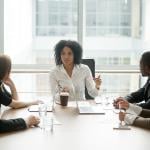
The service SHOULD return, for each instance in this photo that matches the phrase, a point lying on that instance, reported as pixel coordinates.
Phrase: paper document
(85, 107)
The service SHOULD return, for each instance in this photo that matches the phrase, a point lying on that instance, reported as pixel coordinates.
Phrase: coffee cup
(64, 98)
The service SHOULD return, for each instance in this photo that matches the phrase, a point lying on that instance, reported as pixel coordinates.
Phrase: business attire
(137, 116)
(11, 124)
(81, 77)
(143, 94)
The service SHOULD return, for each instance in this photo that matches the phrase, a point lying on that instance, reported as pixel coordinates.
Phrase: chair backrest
(91, 64)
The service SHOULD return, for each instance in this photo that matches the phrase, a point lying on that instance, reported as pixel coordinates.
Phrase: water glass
(48, 123)
(42, 110)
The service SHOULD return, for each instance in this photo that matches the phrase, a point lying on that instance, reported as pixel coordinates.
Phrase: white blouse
(81, 77)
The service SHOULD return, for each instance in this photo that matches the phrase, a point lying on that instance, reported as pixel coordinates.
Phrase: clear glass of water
(42, 109)
(48, 123)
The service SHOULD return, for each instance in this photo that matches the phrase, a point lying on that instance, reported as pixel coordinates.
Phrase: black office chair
(91, 64)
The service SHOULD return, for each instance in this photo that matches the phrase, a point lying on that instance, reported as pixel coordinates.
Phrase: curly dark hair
(145, 59)
(5, 65)
(73, 45)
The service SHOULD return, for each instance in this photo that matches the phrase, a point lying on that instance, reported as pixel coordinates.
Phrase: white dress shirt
(134, 112)
(81, 77)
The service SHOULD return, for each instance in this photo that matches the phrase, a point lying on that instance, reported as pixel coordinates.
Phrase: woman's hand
(9, 82)
(98, 82)
(12, 87)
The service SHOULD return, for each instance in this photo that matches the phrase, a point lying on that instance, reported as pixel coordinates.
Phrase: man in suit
(143, 94)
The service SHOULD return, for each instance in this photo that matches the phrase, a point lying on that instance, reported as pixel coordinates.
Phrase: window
(113, 14)
(113, 32)
(58, 16)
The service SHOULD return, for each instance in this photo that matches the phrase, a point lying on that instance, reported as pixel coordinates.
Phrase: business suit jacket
(143, 94)
(11, 124)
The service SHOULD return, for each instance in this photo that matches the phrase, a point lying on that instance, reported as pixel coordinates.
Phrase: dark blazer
(12, 125)
(143, 94)
(5, 96)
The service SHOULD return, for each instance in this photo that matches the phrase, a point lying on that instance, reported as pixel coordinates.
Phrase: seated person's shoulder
(5, 96)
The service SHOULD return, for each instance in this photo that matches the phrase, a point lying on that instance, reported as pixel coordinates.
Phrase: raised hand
(98, 82)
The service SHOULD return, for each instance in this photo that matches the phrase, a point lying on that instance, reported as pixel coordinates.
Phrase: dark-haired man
(143, 94)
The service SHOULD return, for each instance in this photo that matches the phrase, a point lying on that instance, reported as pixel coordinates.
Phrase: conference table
(74, 132)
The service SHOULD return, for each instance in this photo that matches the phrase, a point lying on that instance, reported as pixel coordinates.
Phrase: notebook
(85, 107)
(35, 108)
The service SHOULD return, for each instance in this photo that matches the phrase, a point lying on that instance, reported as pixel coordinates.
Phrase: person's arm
(136, 97)
(20, 104)
(142, 122)
(18, 124)
(130, 108)
(145, 105)
(12, 87)
(12, 125)
(98, 82)
(90, 84)
(135, 120)
(145, 113)
(7, 100)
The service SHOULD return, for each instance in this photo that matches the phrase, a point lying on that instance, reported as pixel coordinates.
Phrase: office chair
(91, 64)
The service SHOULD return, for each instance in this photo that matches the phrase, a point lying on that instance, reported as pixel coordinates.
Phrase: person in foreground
(143, 94)
(6, 98)
(70, 75)
(134, 115)
(18, 123)
(12, 100)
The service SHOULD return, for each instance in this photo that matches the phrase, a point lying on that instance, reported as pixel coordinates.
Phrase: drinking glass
(42, 110)
(48, 123)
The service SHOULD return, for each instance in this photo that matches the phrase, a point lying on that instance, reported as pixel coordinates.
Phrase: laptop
(84, 107)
